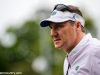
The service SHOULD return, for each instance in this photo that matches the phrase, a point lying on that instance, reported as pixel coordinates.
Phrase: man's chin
(58, 46)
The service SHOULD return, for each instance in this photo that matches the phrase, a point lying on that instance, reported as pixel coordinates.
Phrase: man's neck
(78, 39)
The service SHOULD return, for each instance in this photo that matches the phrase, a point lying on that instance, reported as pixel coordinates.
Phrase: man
(67, 31)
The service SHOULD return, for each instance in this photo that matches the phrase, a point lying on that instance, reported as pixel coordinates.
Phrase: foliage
(19, 56)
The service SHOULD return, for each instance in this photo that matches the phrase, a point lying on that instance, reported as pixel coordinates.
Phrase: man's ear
(78, 25)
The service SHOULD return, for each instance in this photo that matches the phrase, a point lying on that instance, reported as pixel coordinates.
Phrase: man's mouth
(55, 40)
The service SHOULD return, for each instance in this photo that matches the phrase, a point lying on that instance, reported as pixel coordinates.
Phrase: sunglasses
(62, 7)
(70, 8)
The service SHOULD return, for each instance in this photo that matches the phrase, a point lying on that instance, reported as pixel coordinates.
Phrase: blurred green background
(30, 49)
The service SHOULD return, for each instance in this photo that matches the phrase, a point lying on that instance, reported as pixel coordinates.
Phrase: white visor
(59, 16)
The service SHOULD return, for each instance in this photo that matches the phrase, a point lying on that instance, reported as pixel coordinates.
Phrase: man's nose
(53, 32)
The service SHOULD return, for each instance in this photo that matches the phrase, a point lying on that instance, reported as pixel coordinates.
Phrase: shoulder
(93, 49)
(94, 46)
(94, 55)
(95, 61)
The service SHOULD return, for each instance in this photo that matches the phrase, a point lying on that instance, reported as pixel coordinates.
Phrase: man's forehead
(59, 24)
(56, 24)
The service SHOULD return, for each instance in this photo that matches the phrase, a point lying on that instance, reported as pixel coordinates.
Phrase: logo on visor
(53, 13)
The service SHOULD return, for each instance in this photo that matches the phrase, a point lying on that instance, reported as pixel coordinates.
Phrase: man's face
(64, 35)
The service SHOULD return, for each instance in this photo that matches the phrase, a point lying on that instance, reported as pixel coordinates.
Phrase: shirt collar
(79, 48)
